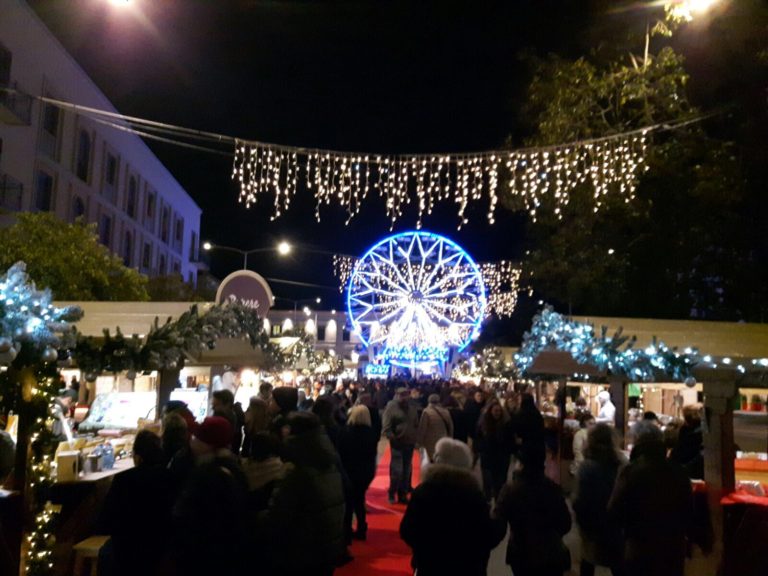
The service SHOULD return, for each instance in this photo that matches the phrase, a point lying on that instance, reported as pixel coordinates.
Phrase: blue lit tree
(615, 354)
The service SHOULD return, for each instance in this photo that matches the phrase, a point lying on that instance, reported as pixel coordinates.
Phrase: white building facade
(54, 159)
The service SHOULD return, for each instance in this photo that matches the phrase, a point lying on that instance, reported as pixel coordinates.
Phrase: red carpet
(383, 553)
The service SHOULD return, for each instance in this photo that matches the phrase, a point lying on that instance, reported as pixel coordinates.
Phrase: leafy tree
(678, 249)
(68, 259)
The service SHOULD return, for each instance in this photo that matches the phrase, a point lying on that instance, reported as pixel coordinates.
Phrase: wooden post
(168, 379)
(618, 389)
(720, 388)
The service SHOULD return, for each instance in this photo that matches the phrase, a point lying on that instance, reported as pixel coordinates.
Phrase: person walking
(601, 542)
(652, 503)
(493, 447)
(302, 530)
(400, 426)
(357, 449)
(435, 423)
(538, 518)
(447, 523)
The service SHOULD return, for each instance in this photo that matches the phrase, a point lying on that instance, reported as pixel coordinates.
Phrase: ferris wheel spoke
(440, 265)
(390, 265)
(456, 277)
(379, 276)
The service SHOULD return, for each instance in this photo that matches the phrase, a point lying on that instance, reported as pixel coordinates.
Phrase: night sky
(386, 76)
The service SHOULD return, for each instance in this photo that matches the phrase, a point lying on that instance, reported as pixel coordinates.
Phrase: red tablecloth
(744, 497)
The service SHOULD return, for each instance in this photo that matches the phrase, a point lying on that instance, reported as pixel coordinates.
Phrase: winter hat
(434, 399)
(216, 431)
(286, 398)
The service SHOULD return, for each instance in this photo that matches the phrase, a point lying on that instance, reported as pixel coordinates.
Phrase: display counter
(81, 503)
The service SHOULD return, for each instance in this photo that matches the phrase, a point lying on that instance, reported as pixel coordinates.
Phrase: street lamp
(283, 248)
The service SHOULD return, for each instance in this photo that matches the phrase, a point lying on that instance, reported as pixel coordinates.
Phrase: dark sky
(374, 76)
(378, 76)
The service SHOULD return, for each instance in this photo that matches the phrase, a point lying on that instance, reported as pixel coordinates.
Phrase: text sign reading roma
(248, 288)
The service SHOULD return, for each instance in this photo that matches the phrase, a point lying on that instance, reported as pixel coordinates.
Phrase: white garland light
(502, 282)
(346, 178)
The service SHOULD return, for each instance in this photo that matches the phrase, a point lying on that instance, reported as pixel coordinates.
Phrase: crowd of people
(279, 488)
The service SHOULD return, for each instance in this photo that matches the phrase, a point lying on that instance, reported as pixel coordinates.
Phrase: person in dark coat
(492, 445)
(400, 426)
(601, 542)
(209, 530)
(357, 449)
(263, 469)
(283, 401)
(137, 510)
(528, 427)
(366, 400)
(538, 518)
(653, 503)
(688, 452)
(255, 421)
(223, 405)
(326, 409)
(473, 409)
(303, 526)
(447, 523)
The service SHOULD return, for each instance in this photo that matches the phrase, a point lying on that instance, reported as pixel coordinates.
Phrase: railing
(17, 102)
(10, 193)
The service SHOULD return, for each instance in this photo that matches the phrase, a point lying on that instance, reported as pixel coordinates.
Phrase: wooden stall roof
(719, 339)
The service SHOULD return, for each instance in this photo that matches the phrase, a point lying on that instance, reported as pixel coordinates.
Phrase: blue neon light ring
(414, 295)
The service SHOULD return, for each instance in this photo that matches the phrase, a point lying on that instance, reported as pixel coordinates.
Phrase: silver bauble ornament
(5, 345)
(50, 354)
(690, 381)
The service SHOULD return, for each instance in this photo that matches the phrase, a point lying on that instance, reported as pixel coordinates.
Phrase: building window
(320, 333)
(178, 233)
(165, 224)
(83, 165)
(43, 191)
(128, 249)
(131, 197)
(176, 267)
(345, 334)
(276, 330)
(149, 211)
(105, 230)
(161, 265)
(146, 256)
(111, 170)
(78, 208)
(5, 66)
(49, 136)
(193, 247)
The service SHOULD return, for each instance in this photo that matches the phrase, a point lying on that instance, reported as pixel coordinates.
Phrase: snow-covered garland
(615, 353)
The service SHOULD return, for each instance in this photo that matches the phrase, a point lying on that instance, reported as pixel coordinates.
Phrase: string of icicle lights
(502, 282)
(609, 164)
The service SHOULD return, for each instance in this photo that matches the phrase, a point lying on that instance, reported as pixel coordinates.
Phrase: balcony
(10, 193)
(15, 105)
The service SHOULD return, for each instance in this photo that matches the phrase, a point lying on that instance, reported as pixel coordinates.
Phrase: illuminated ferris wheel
(415, 295)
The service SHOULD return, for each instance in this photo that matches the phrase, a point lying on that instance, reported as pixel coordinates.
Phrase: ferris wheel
(415, 295)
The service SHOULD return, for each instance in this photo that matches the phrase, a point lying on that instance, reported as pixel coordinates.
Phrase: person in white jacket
(435, 423)
(607, 413)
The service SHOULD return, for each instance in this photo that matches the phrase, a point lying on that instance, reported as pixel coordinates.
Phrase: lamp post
(283, 248)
